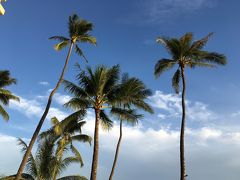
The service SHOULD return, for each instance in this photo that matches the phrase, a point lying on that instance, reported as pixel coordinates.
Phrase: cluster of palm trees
(109, 94)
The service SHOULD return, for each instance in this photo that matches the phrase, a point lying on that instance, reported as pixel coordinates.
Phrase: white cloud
(9, 154)
(35, 108)
(61, 98)
(153, 153)
(28, 107)
(170, 105)
(55, 112)
(149, 153)
(43, 83)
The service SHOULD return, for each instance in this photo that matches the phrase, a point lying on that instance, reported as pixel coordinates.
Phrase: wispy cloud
(170, 106)
(43, 83)
(159, 11)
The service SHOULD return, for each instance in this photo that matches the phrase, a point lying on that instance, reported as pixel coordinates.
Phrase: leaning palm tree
(95, 90)
(6, 95)
(130, 94)
(78, 33)
(185, 53)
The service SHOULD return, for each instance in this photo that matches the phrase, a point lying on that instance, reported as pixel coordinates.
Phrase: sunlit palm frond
(61, 45)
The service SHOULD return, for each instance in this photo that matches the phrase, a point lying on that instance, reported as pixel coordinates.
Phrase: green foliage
(185, 52)
(6, 95)
(51, 159)
(94, 89)
(79, 30)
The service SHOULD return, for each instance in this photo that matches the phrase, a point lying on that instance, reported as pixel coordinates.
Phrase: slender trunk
(182, 157)
(116, 152)
(35, 135)
(96, 146)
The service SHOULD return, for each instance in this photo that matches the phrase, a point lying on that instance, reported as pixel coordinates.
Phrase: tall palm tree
(185, 53)
(95, 90)
(130, 94)
(6, 95)
(78, 33)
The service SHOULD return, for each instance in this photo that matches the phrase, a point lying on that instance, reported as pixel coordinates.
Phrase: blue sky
(126, 33)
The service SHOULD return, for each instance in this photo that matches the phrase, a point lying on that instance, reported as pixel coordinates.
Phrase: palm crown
(95, 89)
(185, 52)
(78, 30)
(6, 95)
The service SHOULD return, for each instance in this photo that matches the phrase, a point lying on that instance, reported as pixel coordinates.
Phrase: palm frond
(163, 65)
(82, 138)
(176, 80)
(54, 121)
(78, 157)
(5, 79)
(4, 113)
(199, 44)
(59, 38)
(211, 57)
(80, 53)
(76, 177)
(71, 123)
(106, 122)
(74, 89)
(31, 165)
(129, 115)
(61, 45)
(87, 38)
(78, 103)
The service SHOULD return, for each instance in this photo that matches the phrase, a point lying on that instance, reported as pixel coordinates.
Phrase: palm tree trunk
(182, 157)
(116, 152)
(35, 135)
(96, 146)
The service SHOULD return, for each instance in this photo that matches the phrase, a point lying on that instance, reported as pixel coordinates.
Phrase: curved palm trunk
(34, 137)
(182, 157)
(116, 152)
(96, 146)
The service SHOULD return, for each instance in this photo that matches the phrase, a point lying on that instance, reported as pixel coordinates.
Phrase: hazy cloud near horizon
(146, 153)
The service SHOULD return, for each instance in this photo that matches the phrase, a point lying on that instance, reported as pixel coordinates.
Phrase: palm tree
(6, 95)
(49, 162)
(53, 146)
(131, 93)
(64, 133)
(52, 156)
(95, 90)
(78, 33)
(184, 53)
(67, 131)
